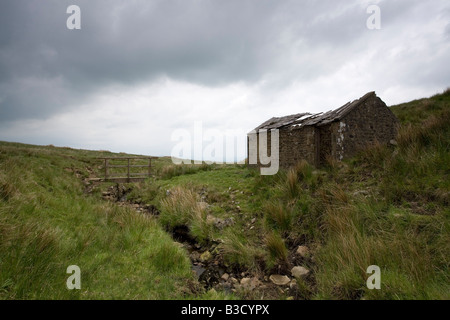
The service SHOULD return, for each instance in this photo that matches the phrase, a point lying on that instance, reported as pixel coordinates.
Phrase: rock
(299, 272)
(219, 223)
(226, 287)
(253, 220)
(228, 222)
(215, 251)
(205, 256)
(179, 244)
(279, 280)
(195, 256)
(225, 277)
(303, 251)
(250, 283)
(393, 142)
(254, 283)
(361, 192)
(234, 280)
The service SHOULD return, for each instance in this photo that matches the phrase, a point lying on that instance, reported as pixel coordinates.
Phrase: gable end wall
(368, 123)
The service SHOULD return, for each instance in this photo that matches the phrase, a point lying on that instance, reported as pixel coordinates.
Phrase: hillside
(222, 231)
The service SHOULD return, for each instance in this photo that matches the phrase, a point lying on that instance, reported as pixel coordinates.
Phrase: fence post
(149, 167)
(106, 169)
(128, 175)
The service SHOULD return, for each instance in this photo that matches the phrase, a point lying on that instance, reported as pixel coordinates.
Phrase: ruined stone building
(338, 134)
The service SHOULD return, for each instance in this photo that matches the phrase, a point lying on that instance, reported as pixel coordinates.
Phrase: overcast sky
(138, 70)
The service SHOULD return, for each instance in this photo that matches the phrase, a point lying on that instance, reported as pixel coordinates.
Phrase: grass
(170, 171)
(279, 217)
(239, 251)
(388, 206)
(180, 207)
(47, 223)
(278, 253)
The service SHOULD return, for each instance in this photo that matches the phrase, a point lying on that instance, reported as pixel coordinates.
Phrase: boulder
(195, 256)
(250, 283)
(299, 272)
(279, 280)
(303, 251)
(205, 256)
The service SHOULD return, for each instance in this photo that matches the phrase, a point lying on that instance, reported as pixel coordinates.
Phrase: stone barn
(335, 134)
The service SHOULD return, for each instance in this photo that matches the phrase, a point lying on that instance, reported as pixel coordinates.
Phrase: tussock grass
(180, 207)
(292, 183)
(277, 250)
(304, 170)
(183, 208)
(7, 189)
(237, 250)
(353, 244)
(279, 216)
(200, 228)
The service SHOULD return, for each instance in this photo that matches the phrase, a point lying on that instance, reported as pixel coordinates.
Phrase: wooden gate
(123, 169)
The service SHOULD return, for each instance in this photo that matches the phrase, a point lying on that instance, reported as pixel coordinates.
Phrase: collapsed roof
(308, 119)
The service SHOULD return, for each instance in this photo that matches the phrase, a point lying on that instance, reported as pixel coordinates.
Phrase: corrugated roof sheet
(308, 119)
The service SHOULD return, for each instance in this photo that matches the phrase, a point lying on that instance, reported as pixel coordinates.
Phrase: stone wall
(325, 144)
(366, 124)
(296, 144)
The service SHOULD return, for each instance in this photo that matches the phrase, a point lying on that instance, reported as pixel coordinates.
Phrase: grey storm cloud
(46, 68)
